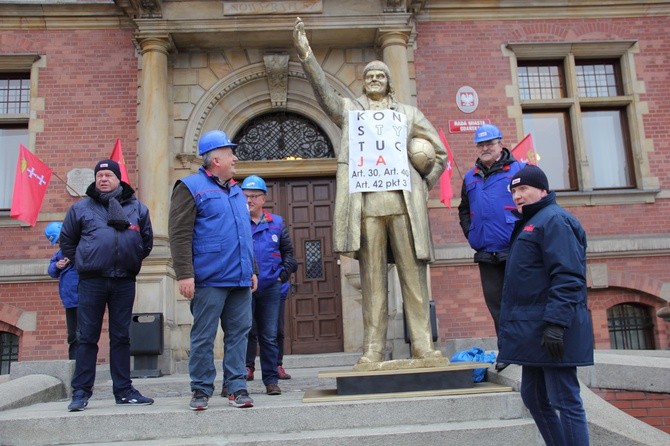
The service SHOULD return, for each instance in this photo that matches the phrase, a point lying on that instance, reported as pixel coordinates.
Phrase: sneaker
(272, 389)
(241, 399)
(282, 373)
(199, 400)
(224, 392)
(250, 374)
(134, 397)
(79, 401)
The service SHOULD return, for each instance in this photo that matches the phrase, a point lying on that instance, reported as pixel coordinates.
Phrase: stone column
(153, 146)
(394, 47)
(155, 283)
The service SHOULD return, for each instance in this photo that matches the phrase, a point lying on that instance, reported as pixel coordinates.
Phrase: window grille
(9, 351)
(630, 327)
(277, 136)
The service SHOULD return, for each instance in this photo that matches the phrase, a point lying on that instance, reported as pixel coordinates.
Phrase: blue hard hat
(254, 182)
(487, 132)
(213, 139)
(52, 231)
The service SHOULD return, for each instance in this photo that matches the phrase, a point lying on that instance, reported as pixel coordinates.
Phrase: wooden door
(314, 309)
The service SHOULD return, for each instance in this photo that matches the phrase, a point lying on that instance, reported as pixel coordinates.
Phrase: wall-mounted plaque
(79, 180)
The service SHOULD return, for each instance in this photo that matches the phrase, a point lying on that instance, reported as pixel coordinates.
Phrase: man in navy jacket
(107, 235)
(545, 324)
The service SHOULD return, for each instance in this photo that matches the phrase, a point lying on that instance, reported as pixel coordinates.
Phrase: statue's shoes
(371, 356)
(428, 354)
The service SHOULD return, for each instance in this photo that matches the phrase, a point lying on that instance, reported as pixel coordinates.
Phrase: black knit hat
(530, 176)
(109, 165)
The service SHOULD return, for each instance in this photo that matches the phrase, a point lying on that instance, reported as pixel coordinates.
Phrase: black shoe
(224, 392)
(133, 397)
(500, 366)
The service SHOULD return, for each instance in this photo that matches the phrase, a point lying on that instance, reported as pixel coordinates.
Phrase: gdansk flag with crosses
(30, 186)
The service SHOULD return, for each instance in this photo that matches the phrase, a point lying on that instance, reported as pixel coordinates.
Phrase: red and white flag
(525, 151)
(30, 186)
(117, 155)
(446, 192)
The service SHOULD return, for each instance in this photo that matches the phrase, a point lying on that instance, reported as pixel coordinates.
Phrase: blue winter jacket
(273, 250)
(222, 244)
(68, 280)
(485, 212)
(545, 283)
(100, 250)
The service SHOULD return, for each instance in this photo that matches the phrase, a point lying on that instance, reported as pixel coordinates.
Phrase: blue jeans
(232, 307)
(265, 308)
(551, 394)
(118, 295)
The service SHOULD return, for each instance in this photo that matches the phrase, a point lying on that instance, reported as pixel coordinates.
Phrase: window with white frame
(14, 119)
(577, 102)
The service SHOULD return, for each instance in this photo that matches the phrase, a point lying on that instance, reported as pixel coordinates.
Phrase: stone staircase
(467, 419)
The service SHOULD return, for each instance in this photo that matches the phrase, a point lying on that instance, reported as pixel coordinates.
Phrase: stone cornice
(62, 16)
(477, 10)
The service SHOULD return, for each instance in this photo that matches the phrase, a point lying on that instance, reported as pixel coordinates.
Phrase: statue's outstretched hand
(300, 39)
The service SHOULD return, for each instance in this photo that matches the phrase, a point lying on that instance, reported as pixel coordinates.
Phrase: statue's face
(376, 83)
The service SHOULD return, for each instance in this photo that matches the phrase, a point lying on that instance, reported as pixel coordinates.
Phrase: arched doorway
(314, 310)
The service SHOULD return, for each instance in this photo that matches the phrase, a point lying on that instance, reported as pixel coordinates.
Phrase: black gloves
(552, 340)
(283, 276)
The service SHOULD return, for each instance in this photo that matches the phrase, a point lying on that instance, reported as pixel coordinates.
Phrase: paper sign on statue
(378, 151)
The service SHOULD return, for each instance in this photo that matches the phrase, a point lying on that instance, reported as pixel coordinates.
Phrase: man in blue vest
(273, 251)
(212, 255)
(485, 213)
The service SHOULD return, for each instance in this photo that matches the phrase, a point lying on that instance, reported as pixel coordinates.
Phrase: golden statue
(386, 226)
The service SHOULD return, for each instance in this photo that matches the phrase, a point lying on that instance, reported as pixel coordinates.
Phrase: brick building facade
(157, 74)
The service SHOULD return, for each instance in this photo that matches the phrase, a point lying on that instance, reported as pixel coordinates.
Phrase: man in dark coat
(545, 325)
(107, 235)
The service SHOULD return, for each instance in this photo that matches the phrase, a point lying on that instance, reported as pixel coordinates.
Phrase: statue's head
(378, 65)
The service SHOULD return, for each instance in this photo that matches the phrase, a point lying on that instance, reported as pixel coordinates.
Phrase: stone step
(285, 416)
(511, 432)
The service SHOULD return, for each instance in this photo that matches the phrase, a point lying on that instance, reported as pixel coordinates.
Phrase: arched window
(9, 351)
(630, 327)
(282, 135)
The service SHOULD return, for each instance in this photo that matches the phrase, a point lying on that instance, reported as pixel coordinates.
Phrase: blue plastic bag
(475, 354)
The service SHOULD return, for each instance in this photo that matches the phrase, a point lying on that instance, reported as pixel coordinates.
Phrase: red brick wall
(89, 85)
(449, 55)
(652, 408)
(90, 88)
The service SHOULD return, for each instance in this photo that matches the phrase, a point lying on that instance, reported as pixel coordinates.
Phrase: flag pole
(67, 185)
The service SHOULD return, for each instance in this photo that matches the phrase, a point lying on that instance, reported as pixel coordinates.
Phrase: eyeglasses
(487, 144)
(253, 196)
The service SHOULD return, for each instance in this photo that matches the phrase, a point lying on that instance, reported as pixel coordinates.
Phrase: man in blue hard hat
(485, 213)
(212, 255)
(273, 251)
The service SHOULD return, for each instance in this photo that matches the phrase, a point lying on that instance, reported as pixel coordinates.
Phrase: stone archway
(246, 93)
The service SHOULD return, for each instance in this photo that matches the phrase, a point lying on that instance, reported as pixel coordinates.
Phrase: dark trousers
(280, 332)
(265, 306)
(118, 296)
(71, 321)
(551, 395)
(492, 275)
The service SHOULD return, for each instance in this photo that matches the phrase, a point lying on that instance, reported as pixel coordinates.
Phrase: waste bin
(146, 343)
(433, 322)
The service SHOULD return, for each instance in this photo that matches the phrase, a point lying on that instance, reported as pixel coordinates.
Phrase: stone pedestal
(454, 379)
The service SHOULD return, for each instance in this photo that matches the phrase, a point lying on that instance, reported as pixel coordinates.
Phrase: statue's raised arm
(328, 99)
(300, 39)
